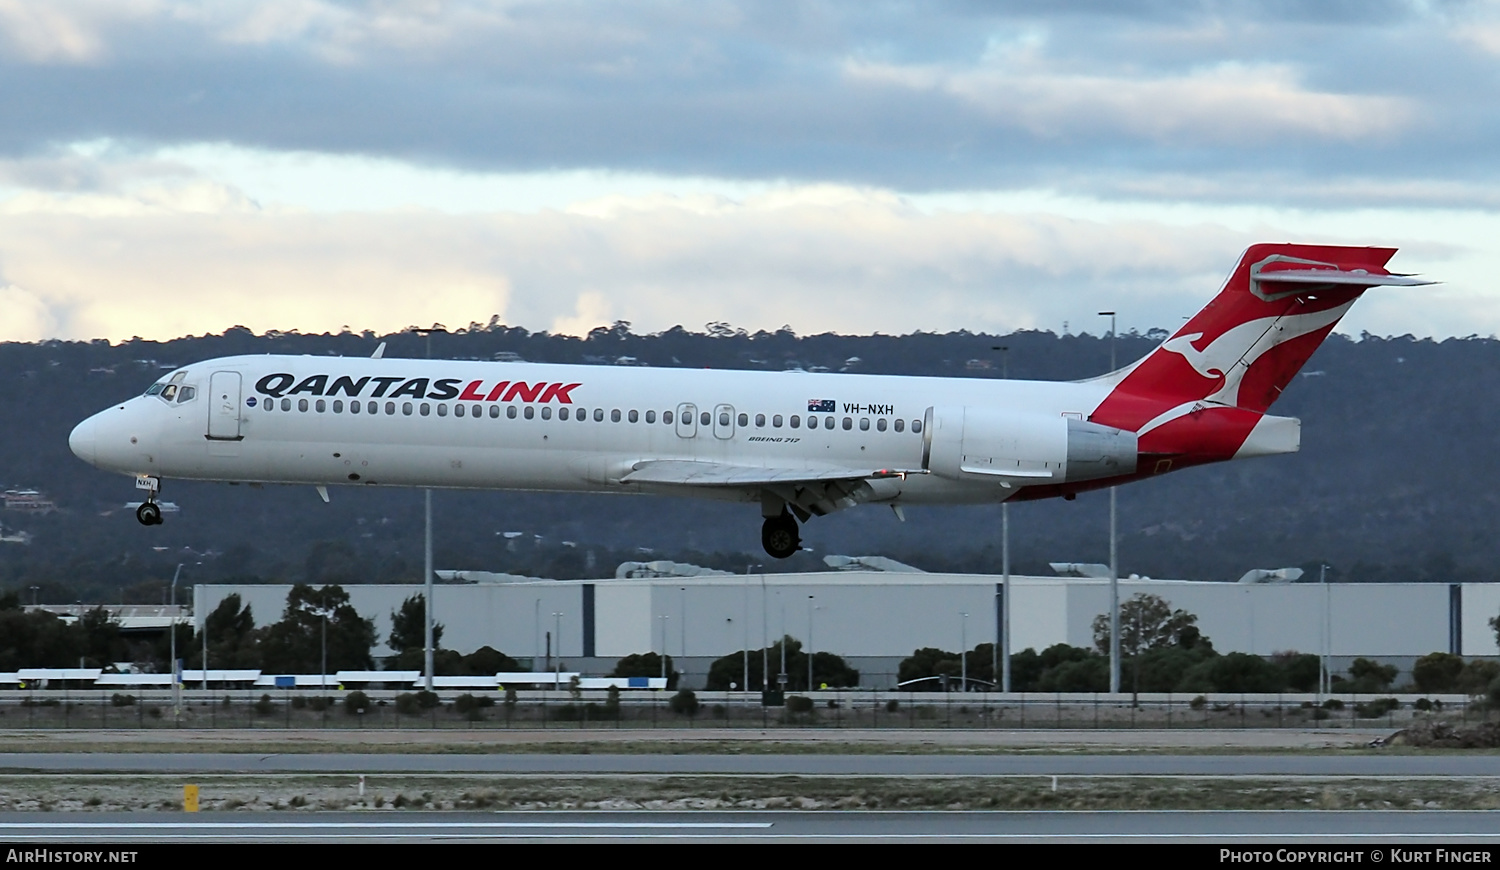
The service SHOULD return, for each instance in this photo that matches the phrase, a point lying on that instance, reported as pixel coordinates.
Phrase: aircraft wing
(688, 472)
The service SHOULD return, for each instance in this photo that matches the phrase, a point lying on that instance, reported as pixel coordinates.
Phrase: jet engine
(968, 443)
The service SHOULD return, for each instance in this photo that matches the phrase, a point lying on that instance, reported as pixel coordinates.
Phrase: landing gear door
(687, 420)
(224, 406)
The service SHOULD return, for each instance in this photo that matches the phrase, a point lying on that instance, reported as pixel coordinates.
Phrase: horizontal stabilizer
(1355, 278)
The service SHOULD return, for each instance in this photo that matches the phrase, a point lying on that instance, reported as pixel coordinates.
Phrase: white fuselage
(527, 426)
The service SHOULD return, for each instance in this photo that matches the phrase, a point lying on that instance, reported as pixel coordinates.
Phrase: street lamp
(1114, 560)
(557, 616)
(427, 547)
(810, 609)
(963, 652)
(1002, 644)
(746, 685)
(172, 631)
(1325, 679)
(663, 618)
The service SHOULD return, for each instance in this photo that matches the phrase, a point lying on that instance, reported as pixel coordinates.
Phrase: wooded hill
(1395, 481)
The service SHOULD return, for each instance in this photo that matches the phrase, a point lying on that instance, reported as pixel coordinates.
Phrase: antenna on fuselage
(379, 351)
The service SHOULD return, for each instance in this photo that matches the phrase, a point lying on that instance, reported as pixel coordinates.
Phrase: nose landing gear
(149, 513)
(779, 536)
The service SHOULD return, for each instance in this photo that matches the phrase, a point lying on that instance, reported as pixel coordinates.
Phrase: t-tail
(1202, 395)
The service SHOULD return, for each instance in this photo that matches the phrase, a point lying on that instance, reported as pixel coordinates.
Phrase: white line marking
(182, 826)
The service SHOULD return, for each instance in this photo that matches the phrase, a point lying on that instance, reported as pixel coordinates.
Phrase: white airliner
(797, 444)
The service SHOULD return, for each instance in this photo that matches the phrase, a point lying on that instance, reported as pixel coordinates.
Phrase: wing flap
(687, 472)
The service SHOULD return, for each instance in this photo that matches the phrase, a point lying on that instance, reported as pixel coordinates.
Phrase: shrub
(1376, 708)
(466, 703)
(1437, 672)
(319, 703)
(356, 702)
(298, 702)
(684, 703)
(892, 705)
(406, 704)
(120, 700)
(1370, 676)
(799, 704)
(153, 712)
(427, 700)
(264, 705)
(1476, 677)
(1333, 704)
(1423, 704)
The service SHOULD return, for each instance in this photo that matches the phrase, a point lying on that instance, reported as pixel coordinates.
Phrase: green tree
(1437, 672)
(828, 668)
(925, 663)
(409, 626)
(232, 639)
(1148, 622)
(100, 641)
(36, 640)
(294, 644)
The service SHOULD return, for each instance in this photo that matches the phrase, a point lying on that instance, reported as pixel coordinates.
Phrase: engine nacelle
(967, 443)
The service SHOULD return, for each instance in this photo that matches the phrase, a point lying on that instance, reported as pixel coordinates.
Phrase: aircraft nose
(83, 440)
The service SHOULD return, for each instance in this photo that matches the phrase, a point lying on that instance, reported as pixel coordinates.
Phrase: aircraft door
(224, 406)
(687, 420)
(724, 422)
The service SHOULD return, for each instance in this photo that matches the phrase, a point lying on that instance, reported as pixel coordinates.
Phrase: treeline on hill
(1344, 500)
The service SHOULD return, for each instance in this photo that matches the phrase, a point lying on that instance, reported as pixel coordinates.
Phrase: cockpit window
(154, 389)
(186, 394)
(169, 392)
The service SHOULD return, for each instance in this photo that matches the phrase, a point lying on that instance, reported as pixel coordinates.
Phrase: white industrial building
(876, 618)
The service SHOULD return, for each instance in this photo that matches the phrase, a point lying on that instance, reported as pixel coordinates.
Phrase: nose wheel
(148, 514)
(779, 536)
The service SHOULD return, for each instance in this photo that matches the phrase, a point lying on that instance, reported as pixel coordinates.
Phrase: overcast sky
(171, 168)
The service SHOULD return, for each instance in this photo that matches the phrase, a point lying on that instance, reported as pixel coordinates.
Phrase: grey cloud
(750, 90)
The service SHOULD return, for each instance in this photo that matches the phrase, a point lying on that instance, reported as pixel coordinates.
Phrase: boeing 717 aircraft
(796, 444)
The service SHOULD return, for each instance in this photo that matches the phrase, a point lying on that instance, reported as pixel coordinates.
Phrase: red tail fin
(1247, 344)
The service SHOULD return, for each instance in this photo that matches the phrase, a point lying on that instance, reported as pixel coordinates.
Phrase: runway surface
(1366, 828)
(1403, 766)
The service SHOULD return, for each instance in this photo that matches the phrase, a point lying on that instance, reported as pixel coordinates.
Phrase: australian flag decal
(821, 406)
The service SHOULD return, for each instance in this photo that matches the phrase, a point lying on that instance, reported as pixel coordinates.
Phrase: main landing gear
(779, 536)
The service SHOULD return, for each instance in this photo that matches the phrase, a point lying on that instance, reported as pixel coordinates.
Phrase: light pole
(682, 613)
(663, 618)
(963, 652)
(205, 652)
(1325, 679)
(765, 636)
(427, 550)
(536, 637)
(172, 621)
(1003, 641)
(1114, 556)
(557, 616)
(745, 613)
(810, 609)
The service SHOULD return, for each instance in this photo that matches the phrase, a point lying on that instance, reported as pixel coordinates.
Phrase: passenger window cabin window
(442, 409)
(900, 425)
(406, 408)
(390, 409)
(598, 415)
(269, 404)
(458, 410)
(828, 422)
(650, 416)
(796, 422)
(475, 411)
(880, 425)
(494, 411)
(776, 422)
(864, 424)
(562, 413)
(320, 406)
(424, 409)
(546, 412)
(760, 421)
(302, 405)
(723, 418)
(666, 417)
(916, 425)
(372, 407)
(848, 423)
(744, 420)
(338, 406)
(614, 416)
(530, 412)
(704, 418)
(510, 412)
(581, 415)
(354, 408)
(634, 416)
(286, 404)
